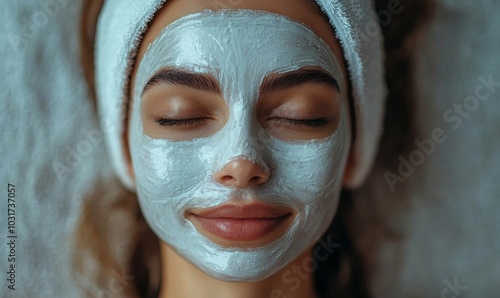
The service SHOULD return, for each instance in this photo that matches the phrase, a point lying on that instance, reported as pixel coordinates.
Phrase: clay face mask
(239, 48)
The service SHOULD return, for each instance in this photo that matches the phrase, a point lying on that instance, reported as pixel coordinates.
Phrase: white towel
(122, 24)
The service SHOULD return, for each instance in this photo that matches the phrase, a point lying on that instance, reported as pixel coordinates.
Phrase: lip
(241, 222)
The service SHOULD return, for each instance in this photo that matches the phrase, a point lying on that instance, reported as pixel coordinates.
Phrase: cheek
(162, 168)
(168, 169)
(311, 171)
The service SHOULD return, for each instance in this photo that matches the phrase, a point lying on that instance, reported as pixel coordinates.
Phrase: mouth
(242, 225)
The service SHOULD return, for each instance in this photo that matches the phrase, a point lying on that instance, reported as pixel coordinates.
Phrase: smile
(255, 223)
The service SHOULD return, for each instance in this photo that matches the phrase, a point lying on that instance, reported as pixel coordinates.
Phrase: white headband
(122, 24)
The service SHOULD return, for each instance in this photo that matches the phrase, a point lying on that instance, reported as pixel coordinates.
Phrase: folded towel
(122, 24)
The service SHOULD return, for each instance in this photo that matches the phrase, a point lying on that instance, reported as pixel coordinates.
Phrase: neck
(182, 279)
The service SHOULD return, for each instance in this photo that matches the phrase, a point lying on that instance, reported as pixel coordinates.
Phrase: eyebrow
(297, 78)
(176, 77)
(203, 82)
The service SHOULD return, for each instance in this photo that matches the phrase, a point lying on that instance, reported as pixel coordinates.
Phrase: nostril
(241, 173)
(255, 180)
(226, 178)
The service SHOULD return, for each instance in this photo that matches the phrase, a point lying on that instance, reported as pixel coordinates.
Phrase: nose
(241, 173)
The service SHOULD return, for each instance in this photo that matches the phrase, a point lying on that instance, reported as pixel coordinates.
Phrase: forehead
(303, 11)
(240, 41)
(299, 10)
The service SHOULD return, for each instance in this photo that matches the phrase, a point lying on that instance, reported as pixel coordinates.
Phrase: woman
(234, 124)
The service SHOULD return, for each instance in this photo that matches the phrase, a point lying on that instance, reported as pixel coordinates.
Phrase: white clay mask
(239, 48)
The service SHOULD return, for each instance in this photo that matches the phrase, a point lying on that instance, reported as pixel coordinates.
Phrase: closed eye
(304, 122)
(179, 122)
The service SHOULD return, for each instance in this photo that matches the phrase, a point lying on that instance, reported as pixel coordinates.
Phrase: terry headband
(122, 24)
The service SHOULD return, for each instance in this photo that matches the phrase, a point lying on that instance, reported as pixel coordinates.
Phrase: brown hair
(116, 254)
(97, 260)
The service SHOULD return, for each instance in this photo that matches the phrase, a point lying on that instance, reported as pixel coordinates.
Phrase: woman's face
(239, 132)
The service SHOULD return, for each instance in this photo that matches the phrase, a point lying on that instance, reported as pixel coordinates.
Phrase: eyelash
(310, 122)
(176, 122)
